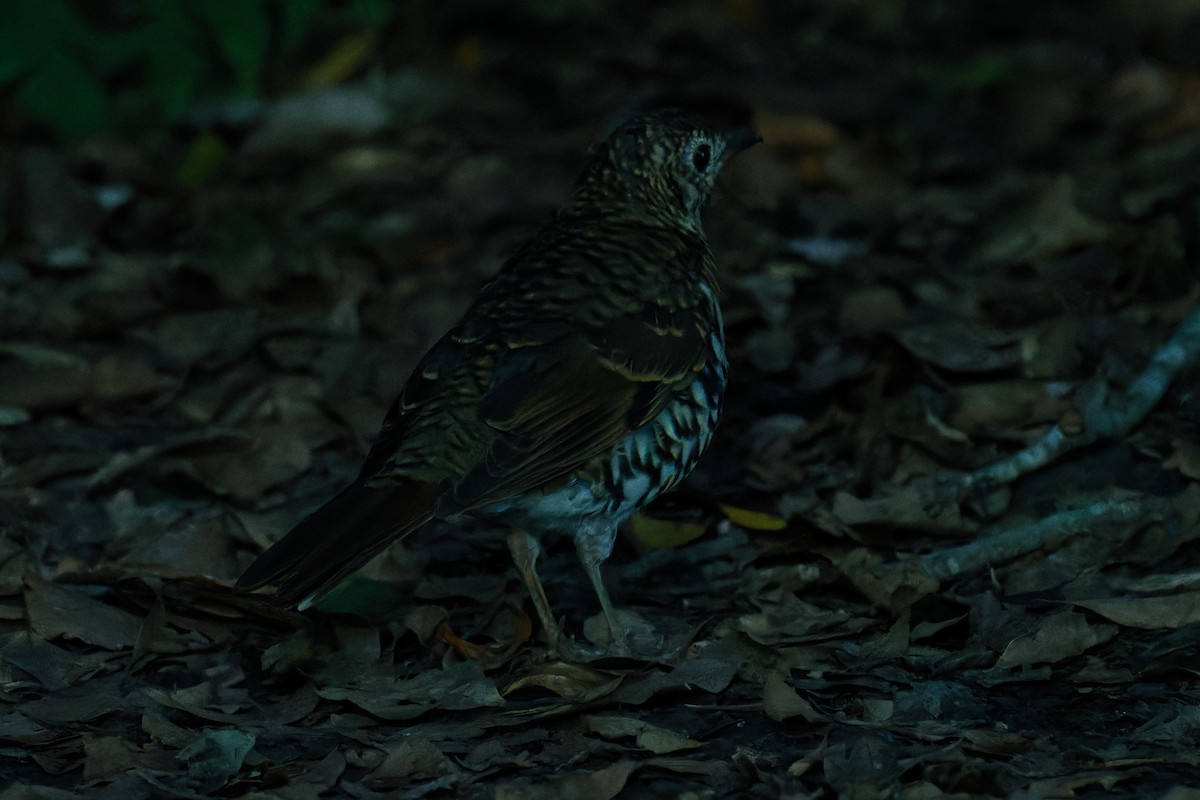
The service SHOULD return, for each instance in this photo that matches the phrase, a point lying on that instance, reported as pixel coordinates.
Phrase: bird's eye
(701, 156)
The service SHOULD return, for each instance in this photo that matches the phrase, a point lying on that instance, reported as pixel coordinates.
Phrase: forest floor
(945, 542)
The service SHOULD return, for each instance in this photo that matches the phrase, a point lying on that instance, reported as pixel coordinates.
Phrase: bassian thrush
(585, 379)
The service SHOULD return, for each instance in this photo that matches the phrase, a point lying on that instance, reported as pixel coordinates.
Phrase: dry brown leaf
(1051, 350)
(48, 386)
(511, 628)
(892, 643)
(455, 687)
(215, 756)
(425, 621)
(196, 548)
(205, 336)
(908, 506)
(58, 611)
(649, 737)
(706, 674)
(1069, 786)
(207, 700)
(960, 345)
(1183, 113)
(276, 453)
(1185, 458)
(26, 655)
(106, 756)
(781, 701)
(897, 584)
(571, 681)
(603, 784)
(121, 376)
(1171, 611)
(1057, 637)
(1053, 224)
(1005, 408)
(412, 759)
(997, 742)
(872, 310)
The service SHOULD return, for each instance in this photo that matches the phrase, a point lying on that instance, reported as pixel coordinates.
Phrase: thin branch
(1104, 415)
(1049, 533)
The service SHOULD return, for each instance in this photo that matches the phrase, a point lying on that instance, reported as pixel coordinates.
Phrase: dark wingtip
(338, 538)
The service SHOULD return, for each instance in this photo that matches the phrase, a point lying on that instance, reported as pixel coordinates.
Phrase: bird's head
(662, 162)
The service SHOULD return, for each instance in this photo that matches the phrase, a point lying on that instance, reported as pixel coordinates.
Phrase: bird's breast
(650, 460)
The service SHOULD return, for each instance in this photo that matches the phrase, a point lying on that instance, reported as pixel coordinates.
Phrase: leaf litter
(945, 544)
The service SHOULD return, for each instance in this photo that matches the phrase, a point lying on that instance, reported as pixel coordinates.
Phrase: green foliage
(242, 33)
(295, 18)
(48, 54)
(205, 156)
(981, 71)
(82, 68)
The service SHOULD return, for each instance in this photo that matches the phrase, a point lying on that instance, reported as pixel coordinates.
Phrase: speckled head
(662, 162)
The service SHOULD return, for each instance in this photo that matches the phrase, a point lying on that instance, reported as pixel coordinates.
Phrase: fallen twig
(1104, 415)
(1048, 532)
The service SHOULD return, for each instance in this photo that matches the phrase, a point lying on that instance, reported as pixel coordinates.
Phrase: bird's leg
(594, 547)
(525, 551)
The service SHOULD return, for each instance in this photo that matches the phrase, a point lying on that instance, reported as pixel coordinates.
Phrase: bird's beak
(741, 138)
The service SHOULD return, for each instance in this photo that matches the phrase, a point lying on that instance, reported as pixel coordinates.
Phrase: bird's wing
(556, 405)
(339, 537)
(540, 378)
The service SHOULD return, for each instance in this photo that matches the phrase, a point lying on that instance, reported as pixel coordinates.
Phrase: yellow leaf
(203, 158)
(658, 533)
(346, 58)
(468, 55)
(753, 520)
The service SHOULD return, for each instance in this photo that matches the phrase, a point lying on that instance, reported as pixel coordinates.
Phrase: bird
(585, 379)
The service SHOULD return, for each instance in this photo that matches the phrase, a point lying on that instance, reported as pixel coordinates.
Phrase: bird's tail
(339, 537)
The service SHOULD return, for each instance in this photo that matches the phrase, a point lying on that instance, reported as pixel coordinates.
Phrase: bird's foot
(567, 649)
(624, 633)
